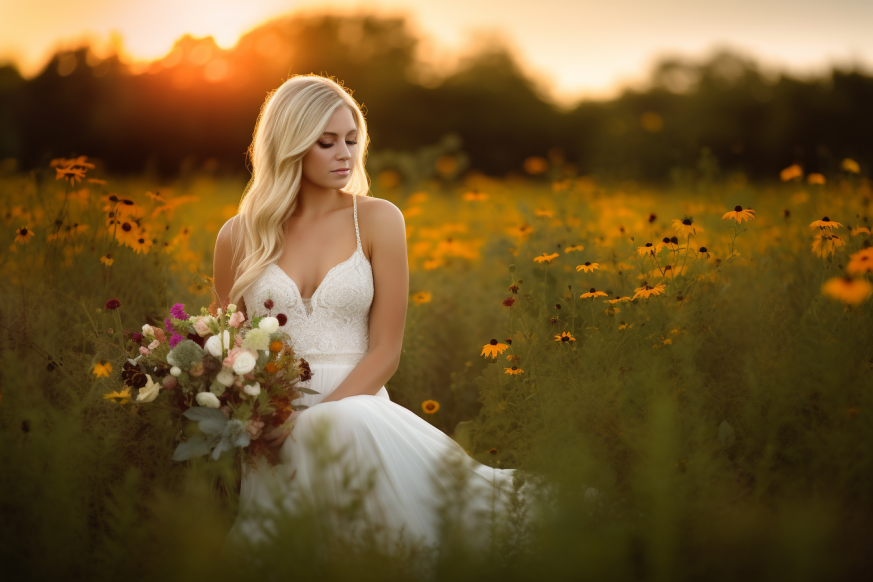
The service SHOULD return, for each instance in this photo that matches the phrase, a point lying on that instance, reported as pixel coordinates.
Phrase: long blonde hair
(292, 118)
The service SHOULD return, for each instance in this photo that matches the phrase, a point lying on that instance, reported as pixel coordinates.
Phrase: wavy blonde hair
(292, 118)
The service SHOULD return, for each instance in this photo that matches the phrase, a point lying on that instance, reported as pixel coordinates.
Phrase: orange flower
(686, 226)
(535, 165)
(421, 297)
(564, 337)
(826, 244)
(23, 234)
(430, 406)
(574, 248)
(791, 172)
(546, 257)
(122, 397)
(475, 196)
(816, 179)
(493, 348)
(851, 165)
(739, 214)
(102, 369)
(647, 291)
(646, 249)
(276, 346)
(515, 370)
(861, 263)
(825, 223)
(588, 267)
(847, 290)
(592, 293)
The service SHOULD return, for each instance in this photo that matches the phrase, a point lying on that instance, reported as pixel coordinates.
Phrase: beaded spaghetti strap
(357, 231)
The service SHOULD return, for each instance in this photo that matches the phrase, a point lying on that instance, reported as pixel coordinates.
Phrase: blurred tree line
(197, 107)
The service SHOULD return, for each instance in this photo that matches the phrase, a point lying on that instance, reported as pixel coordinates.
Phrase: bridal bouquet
(235, 378)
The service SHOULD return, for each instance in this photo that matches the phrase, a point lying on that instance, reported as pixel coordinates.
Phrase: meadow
(691, 364)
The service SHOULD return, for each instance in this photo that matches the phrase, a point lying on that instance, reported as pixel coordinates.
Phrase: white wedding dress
(405, 453)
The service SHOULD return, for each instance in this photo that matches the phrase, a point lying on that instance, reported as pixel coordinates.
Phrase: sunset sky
(577, 48)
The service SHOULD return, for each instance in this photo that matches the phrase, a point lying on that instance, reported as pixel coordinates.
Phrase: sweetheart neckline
(320, 285)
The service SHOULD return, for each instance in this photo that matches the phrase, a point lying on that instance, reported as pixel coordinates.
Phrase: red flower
(283, 319)
(508, 301)
(268, 304)
(113, 304)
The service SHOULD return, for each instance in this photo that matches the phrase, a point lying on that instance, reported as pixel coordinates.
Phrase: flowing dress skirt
(401, 473)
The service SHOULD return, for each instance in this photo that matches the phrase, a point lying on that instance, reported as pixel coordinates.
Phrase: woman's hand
(276, 436)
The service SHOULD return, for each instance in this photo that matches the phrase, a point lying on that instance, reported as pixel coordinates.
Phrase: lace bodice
(337, 329)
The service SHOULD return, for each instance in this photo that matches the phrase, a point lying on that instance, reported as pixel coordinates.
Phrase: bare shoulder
(381, 223)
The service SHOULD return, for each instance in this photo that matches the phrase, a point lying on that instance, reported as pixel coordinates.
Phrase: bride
(287, 254)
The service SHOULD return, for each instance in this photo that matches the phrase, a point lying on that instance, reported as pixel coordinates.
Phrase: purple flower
(177, 311)
(174, 341)
(168, 325)
(137, 337)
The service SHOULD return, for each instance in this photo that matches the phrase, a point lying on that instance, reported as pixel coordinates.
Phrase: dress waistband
(332, 358)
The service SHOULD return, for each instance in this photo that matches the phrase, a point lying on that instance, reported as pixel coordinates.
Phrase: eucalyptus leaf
(307, 391)
(195, 446)
(204, 413)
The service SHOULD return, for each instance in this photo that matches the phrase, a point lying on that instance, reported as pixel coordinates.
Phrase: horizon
(140, 34)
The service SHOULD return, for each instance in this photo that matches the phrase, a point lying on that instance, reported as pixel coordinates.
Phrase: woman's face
(336, 149)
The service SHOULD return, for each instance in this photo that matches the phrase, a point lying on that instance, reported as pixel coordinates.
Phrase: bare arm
(224, 263)
(387, 232)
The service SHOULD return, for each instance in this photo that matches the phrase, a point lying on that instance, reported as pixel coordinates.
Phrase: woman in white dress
(286, 253)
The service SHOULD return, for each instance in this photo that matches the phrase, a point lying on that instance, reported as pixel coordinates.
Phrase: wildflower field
(691, 365)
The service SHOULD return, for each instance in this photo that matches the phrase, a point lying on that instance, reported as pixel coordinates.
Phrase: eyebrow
(336, 135)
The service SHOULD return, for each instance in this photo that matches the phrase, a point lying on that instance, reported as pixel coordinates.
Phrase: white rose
(225, 376)
(213, 344)
(208, 399)
(148, 392)
(176, 371)
(231, 307)
(252, 389)
(244, 363)
(147, 329)
(269, 324)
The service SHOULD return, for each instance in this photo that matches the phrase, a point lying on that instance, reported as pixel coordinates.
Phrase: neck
(314, 201)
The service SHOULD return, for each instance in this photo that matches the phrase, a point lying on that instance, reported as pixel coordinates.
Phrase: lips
(340, 171)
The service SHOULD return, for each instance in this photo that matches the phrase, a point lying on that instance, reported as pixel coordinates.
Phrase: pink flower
(201, 328)
(154, 344)
(159, 334)
(255, 428)
(144, 350)
(236, 319)
(231, 356)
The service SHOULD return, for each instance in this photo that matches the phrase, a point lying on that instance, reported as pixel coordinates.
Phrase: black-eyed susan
(122, 397)
(430, 406)
(739, 214)
(102, 369)
(861, 263)
(592, 293)
(825, 244)
(859, 230)
(421, 297)
(647, 290)
(142, 243)
(564, 337)
(620, 300)
(646, 249)
(107, 259)
(825, 224)
(686, 226)
(493, 348)
(545, 257)
(670, 243)
(848, 290)
(816, 178)
(588, 267)
(622, 325)
(23, 234)
(572, 248)
(513, 358)
(515, 370)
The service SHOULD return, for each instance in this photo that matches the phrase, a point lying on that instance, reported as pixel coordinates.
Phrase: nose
(343, 153)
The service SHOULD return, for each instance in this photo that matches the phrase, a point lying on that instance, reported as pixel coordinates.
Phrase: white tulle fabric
(405, 453)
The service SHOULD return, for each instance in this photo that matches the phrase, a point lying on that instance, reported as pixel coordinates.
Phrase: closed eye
(329, 145)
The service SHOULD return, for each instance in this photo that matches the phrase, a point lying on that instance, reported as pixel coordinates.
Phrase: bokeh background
(640, 266)
(632, 90)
